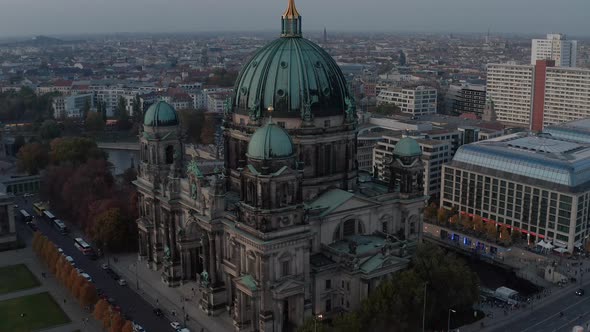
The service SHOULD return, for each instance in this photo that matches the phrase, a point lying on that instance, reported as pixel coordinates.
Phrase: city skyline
(63, 17)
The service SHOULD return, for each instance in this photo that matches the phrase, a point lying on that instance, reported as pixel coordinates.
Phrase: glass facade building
(538, 184)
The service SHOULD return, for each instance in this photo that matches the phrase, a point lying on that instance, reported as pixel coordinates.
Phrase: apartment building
(539, 95)
(556, 47)
(510, 86)
(416, 101)
(72, 106)
(469, 98)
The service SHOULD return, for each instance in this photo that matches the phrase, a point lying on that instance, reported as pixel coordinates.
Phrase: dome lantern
(291, 21)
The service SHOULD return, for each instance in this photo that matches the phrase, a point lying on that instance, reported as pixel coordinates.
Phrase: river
(122, 159)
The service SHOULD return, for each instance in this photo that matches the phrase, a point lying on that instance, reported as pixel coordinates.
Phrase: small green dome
(407, 147)
(270, 141)
(160, 114)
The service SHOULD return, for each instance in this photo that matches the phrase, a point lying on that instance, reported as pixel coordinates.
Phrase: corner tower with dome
(288, 230)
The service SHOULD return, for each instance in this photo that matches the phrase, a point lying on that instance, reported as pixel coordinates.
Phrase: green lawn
(41, 312)
(15, 278)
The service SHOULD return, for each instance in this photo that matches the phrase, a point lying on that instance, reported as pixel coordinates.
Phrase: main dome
(291, 74)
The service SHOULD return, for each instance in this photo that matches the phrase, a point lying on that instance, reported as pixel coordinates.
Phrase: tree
(387, 109)
(454, 220)
(137, 110)
(32, 158)
(100, 309)
(466, 222)
(312, 325)
(442, 216)
(88, 294)
(49, 130)
(478, 224)
(36, 242)
(74, 150)
(19, 141)
(110, 228)
(191, 123)
(117, 322)
(208, 130)
(127, 327)
(86, 108)
(104, 111)
(430, 212)
(121, 114)
(505, 235)
(491, 230)
(516, 236)
(94, 122)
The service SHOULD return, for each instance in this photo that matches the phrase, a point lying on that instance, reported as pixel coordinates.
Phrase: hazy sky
(33, 17)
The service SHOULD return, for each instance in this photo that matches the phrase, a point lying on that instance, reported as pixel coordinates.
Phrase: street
(132, 305)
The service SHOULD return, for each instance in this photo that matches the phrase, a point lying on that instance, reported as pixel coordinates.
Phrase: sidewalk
(169, 299)
(51, 285)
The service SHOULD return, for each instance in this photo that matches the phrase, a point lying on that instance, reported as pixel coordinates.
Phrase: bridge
(130, 146)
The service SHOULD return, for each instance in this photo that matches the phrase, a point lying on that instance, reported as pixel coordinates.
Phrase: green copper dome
(293, 75)
(270, 141)
(160, 114)
(407, 147)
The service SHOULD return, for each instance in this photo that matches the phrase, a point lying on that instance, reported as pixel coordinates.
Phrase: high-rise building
(510, 87)
(468, 98)
(557, 48)
(537, 184)
(539, 95)
(287, 230)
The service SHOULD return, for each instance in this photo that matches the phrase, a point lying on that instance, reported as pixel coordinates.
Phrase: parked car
(122, 282)
(580, 292)
(175, 325)
(105, 266)
(137, 328)
(158, 312)
(70, 260)
(86, 276)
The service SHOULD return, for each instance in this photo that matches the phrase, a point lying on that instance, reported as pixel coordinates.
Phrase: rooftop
(541, 157)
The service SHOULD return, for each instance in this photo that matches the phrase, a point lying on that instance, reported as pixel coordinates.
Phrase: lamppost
(136, 277)
(449, 322)
(424, 310)
(315, 322)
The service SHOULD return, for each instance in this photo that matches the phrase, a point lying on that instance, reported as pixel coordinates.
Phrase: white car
(122, 282)
(105, 266)
(70, 260)
(137, 328)
(86, 276)
(60, 250)
(175, 325)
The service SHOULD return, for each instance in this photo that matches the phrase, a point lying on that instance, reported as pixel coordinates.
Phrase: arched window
(169, 154)
(349, 228)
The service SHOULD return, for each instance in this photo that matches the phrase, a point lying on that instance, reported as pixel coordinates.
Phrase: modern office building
(538, 184)
(557, 48)
(417, 101)
(287, 230)
(511, 88)
(539, 95)
(71, 106)
(469, 98)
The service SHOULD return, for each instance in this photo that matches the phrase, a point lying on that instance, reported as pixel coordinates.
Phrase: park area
(16, 278)
(30, 313)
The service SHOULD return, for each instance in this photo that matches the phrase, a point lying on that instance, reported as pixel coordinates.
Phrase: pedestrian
(64, 301)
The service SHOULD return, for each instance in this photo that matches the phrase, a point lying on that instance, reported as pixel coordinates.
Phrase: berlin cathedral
(288, 229)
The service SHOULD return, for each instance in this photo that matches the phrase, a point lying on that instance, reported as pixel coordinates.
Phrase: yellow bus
(39, 208)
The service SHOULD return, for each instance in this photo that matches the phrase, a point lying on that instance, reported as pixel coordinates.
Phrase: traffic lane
(547, 318)
(129, 301)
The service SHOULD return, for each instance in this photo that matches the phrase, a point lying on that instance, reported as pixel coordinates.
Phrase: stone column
(212, 259)
(205, 251)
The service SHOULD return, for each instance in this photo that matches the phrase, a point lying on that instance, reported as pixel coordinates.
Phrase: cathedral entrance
(287, 326)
